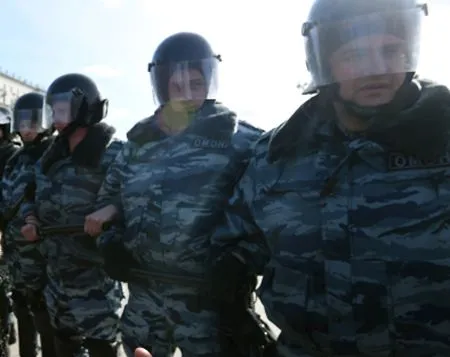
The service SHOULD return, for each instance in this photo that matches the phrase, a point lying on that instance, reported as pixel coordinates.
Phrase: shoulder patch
(398, 162)
(210, 143)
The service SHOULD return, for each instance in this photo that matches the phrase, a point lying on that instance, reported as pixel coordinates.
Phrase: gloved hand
(228, 274)
(117, 261)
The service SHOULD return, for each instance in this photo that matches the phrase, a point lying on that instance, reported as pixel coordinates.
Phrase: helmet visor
(5, 117)
(27, 120)
(364, 46)
(189, 81)
(61, 108)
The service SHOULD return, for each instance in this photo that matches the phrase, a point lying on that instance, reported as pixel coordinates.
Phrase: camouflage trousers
(90, 312)
(162, 317)
(5, 310)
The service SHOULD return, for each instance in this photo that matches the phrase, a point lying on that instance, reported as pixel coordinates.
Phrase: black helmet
(27, 113)
(178, 54)
(333, 23)
(79, 100)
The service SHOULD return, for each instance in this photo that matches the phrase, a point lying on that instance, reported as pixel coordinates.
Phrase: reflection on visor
(60, 97)
(383, 56)
(368, 26)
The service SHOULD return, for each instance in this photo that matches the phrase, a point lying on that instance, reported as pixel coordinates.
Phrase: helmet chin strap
(406, 95)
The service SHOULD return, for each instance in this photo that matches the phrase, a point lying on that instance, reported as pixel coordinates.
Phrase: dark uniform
(82, 301)
(7, 148)
(23, 257)
(170, 183)
(352, 195)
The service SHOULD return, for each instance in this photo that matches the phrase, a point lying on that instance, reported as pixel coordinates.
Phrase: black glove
(36, 300)
(118, 262)
(228, 274)
(244, 333)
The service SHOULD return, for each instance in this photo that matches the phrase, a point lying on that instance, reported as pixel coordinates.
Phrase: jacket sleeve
(110, 191)
(29, 207)
(238, 232)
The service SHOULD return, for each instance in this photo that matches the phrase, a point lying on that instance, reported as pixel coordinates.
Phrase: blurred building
(12, 87)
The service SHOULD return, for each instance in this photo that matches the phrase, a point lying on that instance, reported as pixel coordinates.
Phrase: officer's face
(28, 134)
(61, 111)
(187, 87)
(363, 56)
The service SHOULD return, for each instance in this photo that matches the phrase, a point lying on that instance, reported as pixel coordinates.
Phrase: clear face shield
(60, 109)
(4, 116)
(27, 121)
(185, 83)
(371, 45)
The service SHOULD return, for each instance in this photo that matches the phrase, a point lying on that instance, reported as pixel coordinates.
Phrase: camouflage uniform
(357, 229)
(5, 310)
(24, 259)
(19, 172)
(83, 302)
(171, 191)
(7, 149)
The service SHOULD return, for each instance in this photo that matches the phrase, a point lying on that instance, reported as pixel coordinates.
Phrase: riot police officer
(8, 146)
(83, 302)
(18, 174)
(167, 188)
(352, 194)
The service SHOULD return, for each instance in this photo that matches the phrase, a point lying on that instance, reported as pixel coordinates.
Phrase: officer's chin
(183, 106)
(374, 98)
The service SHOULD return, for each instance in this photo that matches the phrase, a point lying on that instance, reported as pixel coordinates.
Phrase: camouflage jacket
(171, 190)
(64, 195)
(18, 173)
(357, 229)
(7, 150)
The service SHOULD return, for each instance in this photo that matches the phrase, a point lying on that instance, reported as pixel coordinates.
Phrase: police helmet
(333, 23)
(174, 60)
(5, 121)
(27, 113)
(74, 99)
